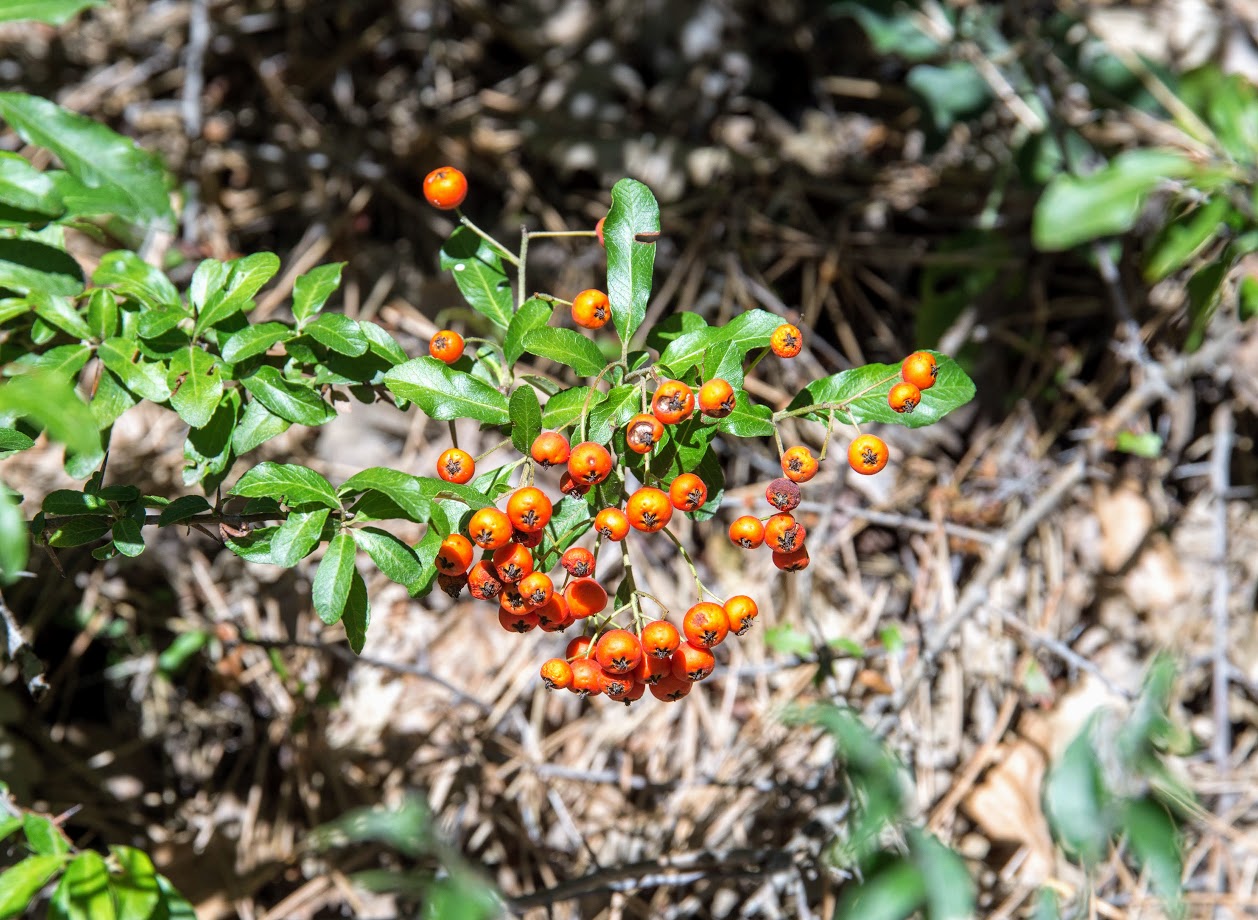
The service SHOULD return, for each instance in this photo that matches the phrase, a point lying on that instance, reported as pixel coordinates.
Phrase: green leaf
(1185, 237)
(196, 383)
(156, 323)
(337, 332)
(43, 836)
(689, 349)
(748, 420)
(31, 267)
(477, 270)
(444, 393)
(1075, 802)
(745, 332)
(128, 537)
(1248, 297)
(893, 893)
(526, 417)
(288, 400)
(20, 884)
(1076, 209)
(949, 889)
(1145, 444)
(52, 403)
(175, 657)
(208, 450)
(298, 536)
(64, 360)
(381, 343)
(564, 408)
(402, 489)
(83, 892)
(433, 487)
(94, 155)
(954, 92)
(112, 399)
(141, 282)
(312, 290)
(619, 405)
(533, 314)
(287, 482)
(248, 274)
(357, 612)
(1155, 841)
(59, 312)
(333, 578)
(12, 441)
(894, 31)
(862, 392)
(70, 501)
(135, 887)
(25, 188)
(182, 508)
(209, 279)
(12, 824)
(568, 347)
(102, 314)
(1204, 288)
(174, 906)
(257, 426)
(255, 546)
(391, 556)
(14, 538)
(53, 12)
(630, 263)
(253, 340)
(143, 378)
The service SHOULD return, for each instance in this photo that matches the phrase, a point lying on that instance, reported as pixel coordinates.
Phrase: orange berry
(553, 615)
(612, 524)
(687, 492)
(746, 532)
(783, 533)
(556, 674)
(571, 487)
(489, 528)
(783, 494)
(692, 663)
(660, 639)
(585, 597)
(633, 691)
(456, 466)
(618, 651)
(651, 670)
(517, 622)
(511, 599)
(793, 561)
(587, 677)
(589, 463)
(578, 647)
(537, 589)
(867, 454)
(512, 562)
(483, 582)
(643, 432)
(445, 188)
(529, 509)
(598, 231)
(452, 585)
(591, 309)
(550, 448)
(649, 510)
(920, 369)
(798, 464)
(446, 346)
(716, 398)
(455, 555)
(669, 689)
(673, 402)
(618, 686)
(904, 397)
(527, 540)
(786, 341)
(577, 562)
(742, 612)
(705, 624)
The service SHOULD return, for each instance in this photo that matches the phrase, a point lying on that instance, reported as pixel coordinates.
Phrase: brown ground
(1030, 570)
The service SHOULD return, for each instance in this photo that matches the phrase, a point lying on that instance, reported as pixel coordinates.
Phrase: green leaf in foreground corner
(54, 405)
(333, 578)
(391, 556)
(83, 891)
(894, 892)
(444, 393)
(949, 889)
(568, 347)
(93, 154)
(287, 482)
(135, 887)
(20, 884)
(526, 417)
(477, 270)
(634, 214)
(53, 12)
(1076, 209)
(1075, 802)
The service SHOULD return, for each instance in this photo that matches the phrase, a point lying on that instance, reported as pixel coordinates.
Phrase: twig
(1220, 457)
(1064, 652)
(20, 651)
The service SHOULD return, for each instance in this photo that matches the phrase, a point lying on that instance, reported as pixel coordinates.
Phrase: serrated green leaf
(478, 272)
(337, 332)
(253, 340)
(128, 537)
(312, 290)
(748, 420)
(196, 382)
(630, 263)
(25, 188)
(444, 393)
(617, 407)
(135, 887)
(182, 508)
(102, 314)
(1076, 209)
(65, 361)
(565, 407)
(144, 284)
(146, 379)
(391, 556)
(94, 155)
(287, 482)
(288, 400)
(333, 579)
(381, 343)
(248, 274)
(20, 884)
(298, 536)
(54, 405)
(357, 617)
(402, 489)
(567, 347)
(53, 12)
(533, 314)
(257, 426)
(526, 417)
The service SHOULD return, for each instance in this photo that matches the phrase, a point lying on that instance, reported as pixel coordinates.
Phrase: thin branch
(1220, 476)
(20, 651)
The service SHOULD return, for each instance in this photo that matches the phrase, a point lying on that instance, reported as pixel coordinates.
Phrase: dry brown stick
(21, 653)
(1220, 476)
(974, 767)
(1064, 652)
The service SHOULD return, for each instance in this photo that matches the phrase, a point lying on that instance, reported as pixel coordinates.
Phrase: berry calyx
(556, 674)
(529, 509)
(578, 562)
(618, 651)
(742, 612)
(589, 463)
(783, 494)
(673, 402)
(660, 639)
(489, 528)
(691, 663)
(793, 561)
(445, 188)
(537, 589)
(446, 346)
(612, 523)
(643, 432)
(513, 562)
(454, 557)
(705, 625)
